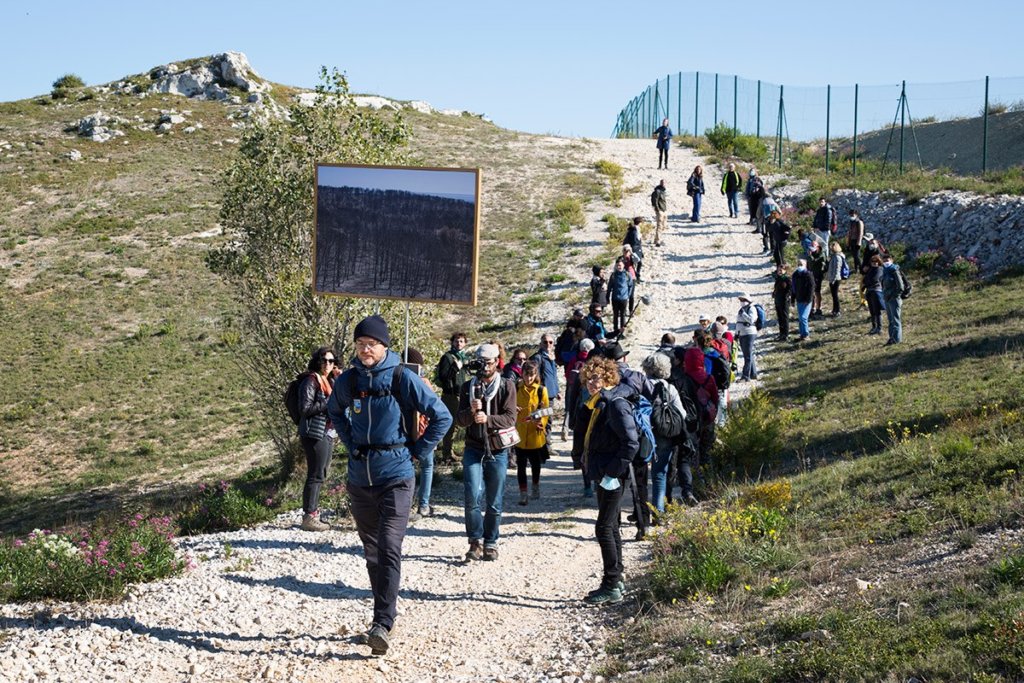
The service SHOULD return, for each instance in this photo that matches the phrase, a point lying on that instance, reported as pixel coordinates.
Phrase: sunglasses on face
(330, 361)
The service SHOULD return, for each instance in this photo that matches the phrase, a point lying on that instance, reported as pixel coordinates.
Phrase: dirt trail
(276, 603)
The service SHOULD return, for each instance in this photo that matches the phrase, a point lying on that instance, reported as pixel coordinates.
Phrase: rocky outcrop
(99, 127)
(209, 80)
(952, 222)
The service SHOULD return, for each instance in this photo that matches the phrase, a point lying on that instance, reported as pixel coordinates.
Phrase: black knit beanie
(374, 327)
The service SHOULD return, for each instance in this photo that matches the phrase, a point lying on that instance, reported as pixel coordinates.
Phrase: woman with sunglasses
(315, 432)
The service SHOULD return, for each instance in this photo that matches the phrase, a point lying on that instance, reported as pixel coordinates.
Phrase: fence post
(984, 133)
(715, 122)
(856, 98)
(735, 106)
(828, 122)
(696, 102)
(778, 143)
(668, 98)
(903, 119)
(679, 102)
(758, 109)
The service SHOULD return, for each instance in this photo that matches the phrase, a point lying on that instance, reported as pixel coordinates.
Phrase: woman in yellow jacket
(531, 423)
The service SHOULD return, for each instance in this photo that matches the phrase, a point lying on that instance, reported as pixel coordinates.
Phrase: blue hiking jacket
(372, 424)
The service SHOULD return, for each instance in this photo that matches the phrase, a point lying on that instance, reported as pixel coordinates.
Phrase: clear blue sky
(558, 67)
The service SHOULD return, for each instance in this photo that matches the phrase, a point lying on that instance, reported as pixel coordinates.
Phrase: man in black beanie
(381, 476)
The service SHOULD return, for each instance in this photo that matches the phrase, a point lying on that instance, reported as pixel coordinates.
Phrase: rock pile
(99, 127)
(209, 80)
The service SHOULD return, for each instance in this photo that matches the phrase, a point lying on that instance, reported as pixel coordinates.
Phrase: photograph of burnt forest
(385, 241)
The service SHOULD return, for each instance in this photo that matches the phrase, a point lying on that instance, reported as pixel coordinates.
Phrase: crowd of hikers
(649, 428)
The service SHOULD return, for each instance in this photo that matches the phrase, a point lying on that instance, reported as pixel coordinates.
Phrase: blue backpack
(761, 317)
(641, 409)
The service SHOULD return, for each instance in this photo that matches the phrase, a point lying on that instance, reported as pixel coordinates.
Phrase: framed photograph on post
(393, 232)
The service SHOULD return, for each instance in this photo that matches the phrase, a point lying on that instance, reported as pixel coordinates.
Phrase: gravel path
(282, 604)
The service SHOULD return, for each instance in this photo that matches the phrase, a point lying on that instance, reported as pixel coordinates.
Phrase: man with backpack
(659, 201)
(825, 223)
(746, 330)
(366, 408)
(778, 233)
(731, 184)
(754, 192)
(450, 375)
(895, 288)
(803, 297)
(668, 420)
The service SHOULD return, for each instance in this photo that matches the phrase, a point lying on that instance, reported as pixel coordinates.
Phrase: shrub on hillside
(925, 261)
(222, 507)
(65, 83)
(88, 565)
(964, 268)
(569, 210)
(752, 436)
(725, 140)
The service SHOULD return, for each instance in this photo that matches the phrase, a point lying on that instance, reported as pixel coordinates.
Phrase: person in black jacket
(695, 188)
(803, 295)
(778, 232)
(608, 441)
(599, 287)
(782, 294)
(664, 135)
(315, 432)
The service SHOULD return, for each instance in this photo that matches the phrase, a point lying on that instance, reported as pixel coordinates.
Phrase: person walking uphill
(664, 135)
(606, 436)
(316, 434)
(368, 417)
(731, 184)
(695, 188)
(487, 408)
(659, 201)
(532, 449)
(746, 330)
(451, 375)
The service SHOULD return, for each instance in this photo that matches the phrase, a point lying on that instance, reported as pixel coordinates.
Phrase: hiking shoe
(425, 511)
(378, 640)
(588, 491)
(620, 584)
(535, 493)
(311, 522)
(364, 637)
(490, 554)
(691, 500)
(604, 596)
(523, 498)
(475, 552)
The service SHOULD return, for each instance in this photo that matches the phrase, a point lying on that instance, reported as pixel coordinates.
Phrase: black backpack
(721, 371)
(666, 420)
(906, 289)
(291, 397)
(563, 346)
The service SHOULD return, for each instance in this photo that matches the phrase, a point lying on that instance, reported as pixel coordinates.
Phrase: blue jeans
(695, 216)
(734, 204)
(426, 477)
(894, 311)
(749, 362)
(803, 314)
(663, 450)
(485, 479)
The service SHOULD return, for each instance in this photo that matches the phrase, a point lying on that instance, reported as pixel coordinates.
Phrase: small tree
(65, 83)
(267, 215)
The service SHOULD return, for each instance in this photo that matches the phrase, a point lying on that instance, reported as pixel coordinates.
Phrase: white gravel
(285, 604)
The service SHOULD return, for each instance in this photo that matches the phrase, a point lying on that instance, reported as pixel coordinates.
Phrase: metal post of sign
(405, 354)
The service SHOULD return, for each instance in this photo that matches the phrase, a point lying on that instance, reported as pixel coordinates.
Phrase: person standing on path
(873, 292)
(782, 294)
(818, 266)
(695, 188)
(836, 262)
(316, 434)
(487, 404)
(451, 375)
(824, 221)
(754, 192)
(658, 367)
(636, 243)
(599, 287)
(659, 200)
(381, 477)
(854, 237)
(664, 135)
(778, 233)
(803, 295)
(621, 287)
(608, 443)
(746, 331)
(548, 367)
(426, 458)
(532, 449)
(893, 287)
(731, 184)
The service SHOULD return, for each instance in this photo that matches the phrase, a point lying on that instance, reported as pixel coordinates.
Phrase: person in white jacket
(746, 332)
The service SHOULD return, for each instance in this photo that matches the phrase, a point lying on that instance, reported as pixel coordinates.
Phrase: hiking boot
(691, 501)
(378, 640)
(475, 552)
(620, 584)
(311, 522)
(490, 554)
(604, 596)
(588, 491)
(535, 492)
(523, 498)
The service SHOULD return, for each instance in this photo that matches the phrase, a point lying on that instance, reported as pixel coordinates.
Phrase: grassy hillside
(118, 374)
(899, 554)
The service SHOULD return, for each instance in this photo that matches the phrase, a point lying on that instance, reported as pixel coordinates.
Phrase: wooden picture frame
(409, 233)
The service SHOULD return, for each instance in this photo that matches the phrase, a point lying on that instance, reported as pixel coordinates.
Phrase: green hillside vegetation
(899, 467)
(121, 381)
